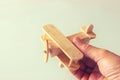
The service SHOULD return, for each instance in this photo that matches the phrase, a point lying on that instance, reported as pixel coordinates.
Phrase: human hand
(97, 64)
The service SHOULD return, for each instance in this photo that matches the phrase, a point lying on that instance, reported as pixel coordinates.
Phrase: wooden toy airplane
(56, 44)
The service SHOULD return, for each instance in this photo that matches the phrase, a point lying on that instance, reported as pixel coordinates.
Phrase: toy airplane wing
(56, 44)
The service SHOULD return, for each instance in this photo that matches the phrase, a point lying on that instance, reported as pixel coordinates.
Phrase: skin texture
(97, 64)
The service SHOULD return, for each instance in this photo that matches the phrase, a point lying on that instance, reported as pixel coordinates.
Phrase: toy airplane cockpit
(56, 44)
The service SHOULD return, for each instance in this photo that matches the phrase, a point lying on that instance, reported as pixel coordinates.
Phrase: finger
(96, 75)
(85, 77)
(78, 73)
(92, 52)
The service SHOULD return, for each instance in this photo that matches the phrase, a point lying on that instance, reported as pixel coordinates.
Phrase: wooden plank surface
(62, 42)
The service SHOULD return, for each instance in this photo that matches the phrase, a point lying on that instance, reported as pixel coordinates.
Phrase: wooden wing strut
(60, 46)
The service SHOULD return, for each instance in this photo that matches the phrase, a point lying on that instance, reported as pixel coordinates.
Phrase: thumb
(92, 52)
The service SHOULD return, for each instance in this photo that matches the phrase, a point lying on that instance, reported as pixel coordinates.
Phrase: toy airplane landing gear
(56, 44)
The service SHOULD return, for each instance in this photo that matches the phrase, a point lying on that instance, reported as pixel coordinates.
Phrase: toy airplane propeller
(56, 44)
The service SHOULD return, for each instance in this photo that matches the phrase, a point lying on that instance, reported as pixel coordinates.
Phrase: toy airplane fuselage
(56, 44)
